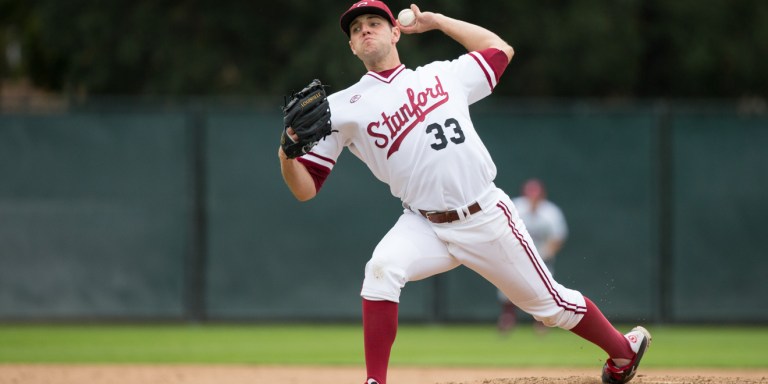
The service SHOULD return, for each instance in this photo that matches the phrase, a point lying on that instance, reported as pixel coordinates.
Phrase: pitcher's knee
(564, 319)
(383, 281)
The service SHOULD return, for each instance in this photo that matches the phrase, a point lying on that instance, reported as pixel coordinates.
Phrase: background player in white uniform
(546, 225)
(412, 128)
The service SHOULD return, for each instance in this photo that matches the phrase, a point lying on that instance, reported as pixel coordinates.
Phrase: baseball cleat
(371, 381)
(639, 340)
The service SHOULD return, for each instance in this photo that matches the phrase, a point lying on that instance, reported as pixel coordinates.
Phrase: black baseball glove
(309, 114)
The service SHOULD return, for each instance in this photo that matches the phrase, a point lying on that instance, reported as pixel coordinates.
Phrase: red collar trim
(389, 75)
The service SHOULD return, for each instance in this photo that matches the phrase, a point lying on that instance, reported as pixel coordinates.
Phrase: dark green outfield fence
(181, 214)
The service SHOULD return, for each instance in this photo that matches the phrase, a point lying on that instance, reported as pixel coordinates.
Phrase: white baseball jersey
(412, 128)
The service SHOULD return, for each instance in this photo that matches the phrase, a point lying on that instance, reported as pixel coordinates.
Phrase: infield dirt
(245, 374)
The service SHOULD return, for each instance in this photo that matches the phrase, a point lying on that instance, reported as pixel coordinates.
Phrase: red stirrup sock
(379, 330)
(597, 329)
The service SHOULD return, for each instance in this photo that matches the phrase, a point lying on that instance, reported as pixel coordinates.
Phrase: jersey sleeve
(497, 60)
(481, 71)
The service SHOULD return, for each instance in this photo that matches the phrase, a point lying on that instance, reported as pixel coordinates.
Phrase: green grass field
(438, 345)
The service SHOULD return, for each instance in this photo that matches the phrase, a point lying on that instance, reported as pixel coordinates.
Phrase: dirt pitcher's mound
(637, 380)
(592, 376)
(246, 374)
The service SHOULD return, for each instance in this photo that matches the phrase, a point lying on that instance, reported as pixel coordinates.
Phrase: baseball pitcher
(413, 129)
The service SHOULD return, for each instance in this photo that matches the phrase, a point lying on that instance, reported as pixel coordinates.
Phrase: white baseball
(406, 17)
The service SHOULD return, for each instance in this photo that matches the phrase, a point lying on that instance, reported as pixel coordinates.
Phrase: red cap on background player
(534, 189)
(374, 7)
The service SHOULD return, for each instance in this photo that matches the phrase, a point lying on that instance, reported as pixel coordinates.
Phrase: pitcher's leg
(409, 251)
(597, 329)
(512, 263)
(379, 331)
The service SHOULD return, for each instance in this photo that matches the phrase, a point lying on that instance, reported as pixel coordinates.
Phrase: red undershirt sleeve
(318, 172)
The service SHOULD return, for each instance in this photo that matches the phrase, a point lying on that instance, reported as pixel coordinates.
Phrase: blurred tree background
(587, 48)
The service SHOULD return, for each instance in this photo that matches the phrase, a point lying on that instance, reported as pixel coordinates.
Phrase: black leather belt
(447, 216)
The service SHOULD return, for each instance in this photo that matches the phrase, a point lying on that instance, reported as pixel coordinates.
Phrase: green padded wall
(182, 214)
(720, 245)
(94, 215)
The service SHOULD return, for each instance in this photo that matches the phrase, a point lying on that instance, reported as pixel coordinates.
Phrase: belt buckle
(427, 214)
